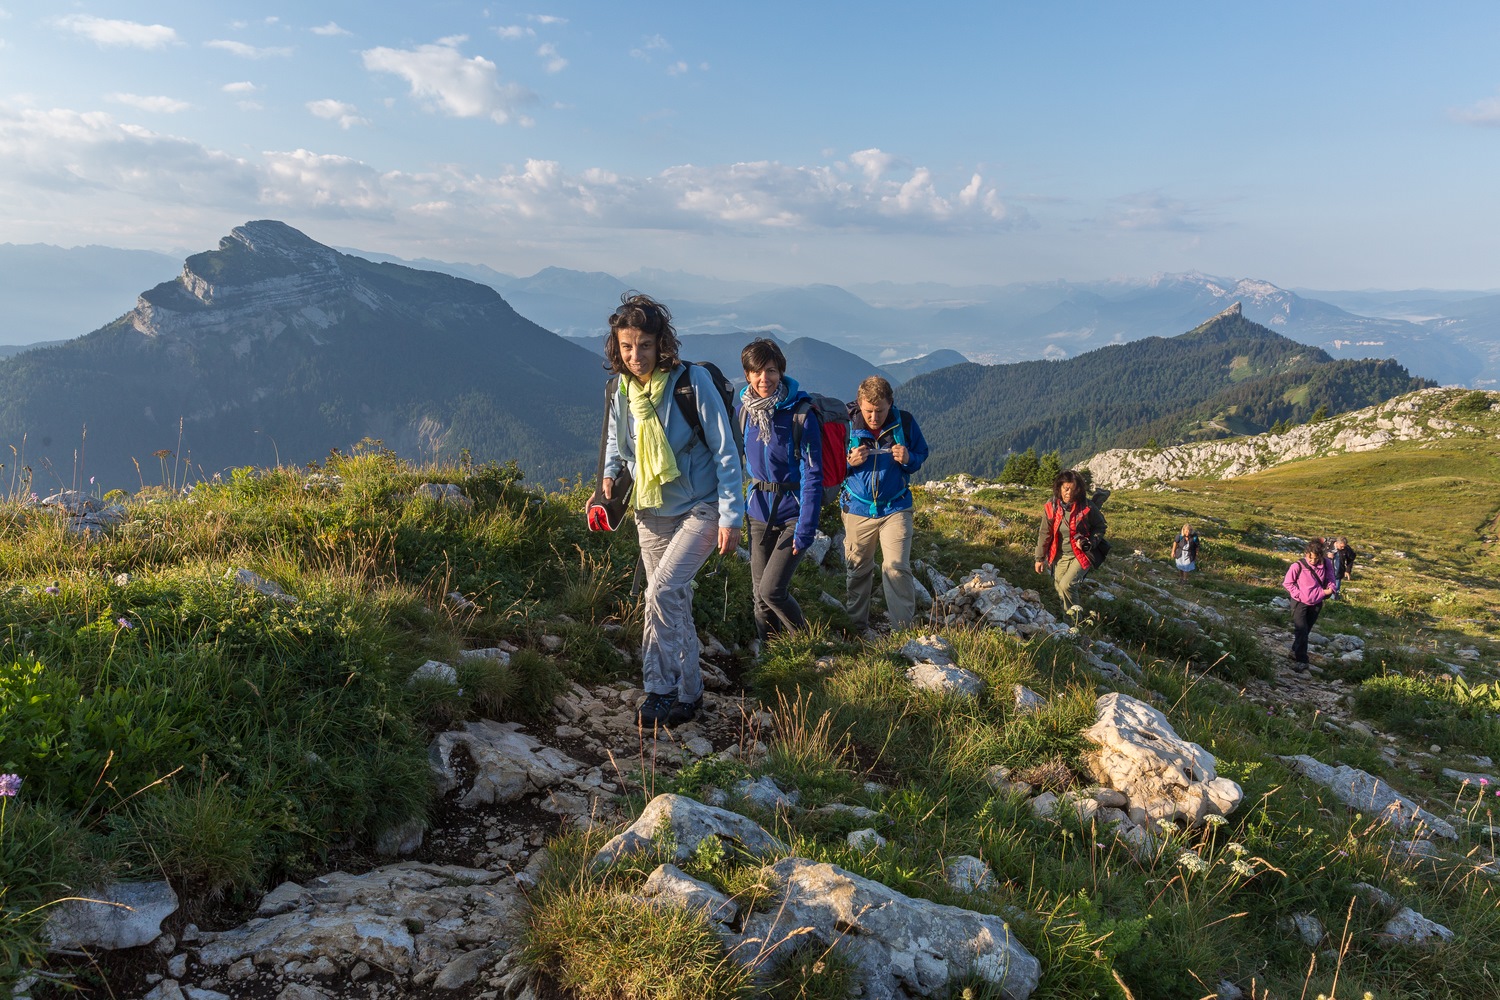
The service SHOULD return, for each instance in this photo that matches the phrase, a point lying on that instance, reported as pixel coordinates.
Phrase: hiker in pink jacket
(1310, 581)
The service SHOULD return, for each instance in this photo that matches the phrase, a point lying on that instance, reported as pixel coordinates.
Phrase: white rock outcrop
(689, 822)
(1141, 755)
(122, 915)
(1367, 793)
(902, 946)
(406, 918)
(509, 764)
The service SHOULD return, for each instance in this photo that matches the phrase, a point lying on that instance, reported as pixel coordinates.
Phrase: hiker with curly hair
(1069, 526)
(668, 427)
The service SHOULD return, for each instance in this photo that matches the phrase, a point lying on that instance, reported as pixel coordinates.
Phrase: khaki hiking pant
(893, 532)
(1067, 572)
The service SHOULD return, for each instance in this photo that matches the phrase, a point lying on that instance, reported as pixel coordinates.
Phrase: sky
(1324, 145)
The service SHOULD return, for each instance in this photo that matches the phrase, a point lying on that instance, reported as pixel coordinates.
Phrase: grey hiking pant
(673, 549)
(771, 567)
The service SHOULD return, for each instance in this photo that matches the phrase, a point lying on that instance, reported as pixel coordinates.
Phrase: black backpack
(686, 396)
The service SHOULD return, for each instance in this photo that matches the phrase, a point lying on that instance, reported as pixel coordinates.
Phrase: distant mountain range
(53, 293)
(275, 347)
(1227, 376)
(1452, 337)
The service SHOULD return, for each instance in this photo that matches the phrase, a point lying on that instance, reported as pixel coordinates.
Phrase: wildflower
(124, 623)
(91, 480)
(1214, 819)
(51, 589)
(1483, 782)
(1236, 848)
(1242, 868)
(1192, 862)
(10, 785)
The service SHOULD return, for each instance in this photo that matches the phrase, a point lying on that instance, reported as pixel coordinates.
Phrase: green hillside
(1228, 376)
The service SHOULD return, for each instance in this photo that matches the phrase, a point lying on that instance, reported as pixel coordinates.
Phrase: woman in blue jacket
(687, 497)
(784, 459)
(886, 448)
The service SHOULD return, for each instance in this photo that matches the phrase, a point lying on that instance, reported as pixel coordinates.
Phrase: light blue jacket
(707, 472)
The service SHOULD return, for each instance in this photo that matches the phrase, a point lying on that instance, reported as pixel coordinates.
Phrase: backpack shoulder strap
(610, 386)
(686, 396)
(799, 423)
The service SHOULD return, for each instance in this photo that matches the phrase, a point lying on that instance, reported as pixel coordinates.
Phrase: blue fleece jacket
(709, 471)
(878, 486)
(771, 461)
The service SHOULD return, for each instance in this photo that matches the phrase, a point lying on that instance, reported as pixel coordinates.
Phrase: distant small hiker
(1343, 564)
(1309, 581)
(1185, 550)
(785, 466)
(1070, 524)
(669, 440)
(886, 448)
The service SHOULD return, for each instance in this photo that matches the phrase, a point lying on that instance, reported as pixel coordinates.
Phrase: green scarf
(655, 463)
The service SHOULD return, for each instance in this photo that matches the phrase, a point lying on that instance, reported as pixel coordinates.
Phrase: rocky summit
(274, 348)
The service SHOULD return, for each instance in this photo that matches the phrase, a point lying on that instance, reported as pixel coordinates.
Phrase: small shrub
(814, 973)
(1477, 401)
(599, 945)
(1052, 775)
(537, 681)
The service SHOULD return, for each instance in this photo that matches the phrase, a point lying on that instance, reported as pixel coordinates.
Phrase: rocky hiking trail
(439, 912)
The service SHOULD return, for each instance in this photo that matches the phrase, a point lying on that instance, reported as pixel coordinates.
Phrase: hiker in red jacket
(1310, 581)
(1069, 525)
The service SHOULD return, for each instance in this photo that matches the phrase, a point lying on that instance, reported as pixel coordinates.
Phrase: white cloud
(248, 51)
(105, 31)
(157, 105)
(250, 105)
(548, 19)
(347, 115)
(58, 160)
(330, 29)
(677, 68)
(239, 87)
(555, 62)
(1484, 112)
(515, 32)
(440, 75)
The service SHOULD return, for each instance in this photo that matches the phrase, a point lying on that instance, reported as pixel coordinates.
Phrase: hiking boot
(683, 712)
(655, 709)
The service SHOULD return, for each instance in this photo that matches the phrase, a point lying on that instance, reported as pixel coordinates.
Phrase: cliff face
(1413, 417)
(274, 337)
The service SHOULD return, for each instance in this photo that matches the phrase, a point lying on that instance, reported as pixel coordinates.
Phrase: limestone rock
(398, 841)
(1028, 701)
(949, 681)
(818, 550)
(508, 763)
(967, 873)
(1141, 755)
(668, 885)
(901, 946)
(765, 793)
(254, 581)
(867, 839)
(122, 915)
(1367, 793)
(689, 822)
(929, 649)
(435, 671)
(1410, 928)
(409, 918)
(446, 494)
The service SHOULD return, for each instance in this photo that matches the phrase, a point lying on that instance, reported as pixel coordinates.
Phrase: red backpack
(833, 414)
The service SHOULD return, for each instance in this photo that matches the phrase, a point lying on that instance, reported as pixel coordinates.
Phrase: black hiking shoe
(655, 710)
(683, 712)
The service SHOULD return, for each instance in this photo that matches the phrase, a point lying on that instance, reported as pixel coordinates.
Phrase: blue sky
(1333, 145)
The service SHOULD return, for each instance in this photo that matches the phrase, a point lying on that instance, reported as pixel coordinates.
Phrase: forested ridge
(1228, 376)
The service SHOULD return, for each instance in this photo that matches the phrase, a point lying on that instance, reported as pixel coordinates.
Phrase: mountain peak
(1231, 312)
(268, 236)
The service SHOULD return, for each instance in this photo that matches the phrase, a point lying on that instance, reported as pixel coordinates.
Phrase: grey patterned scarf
(760, 408)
